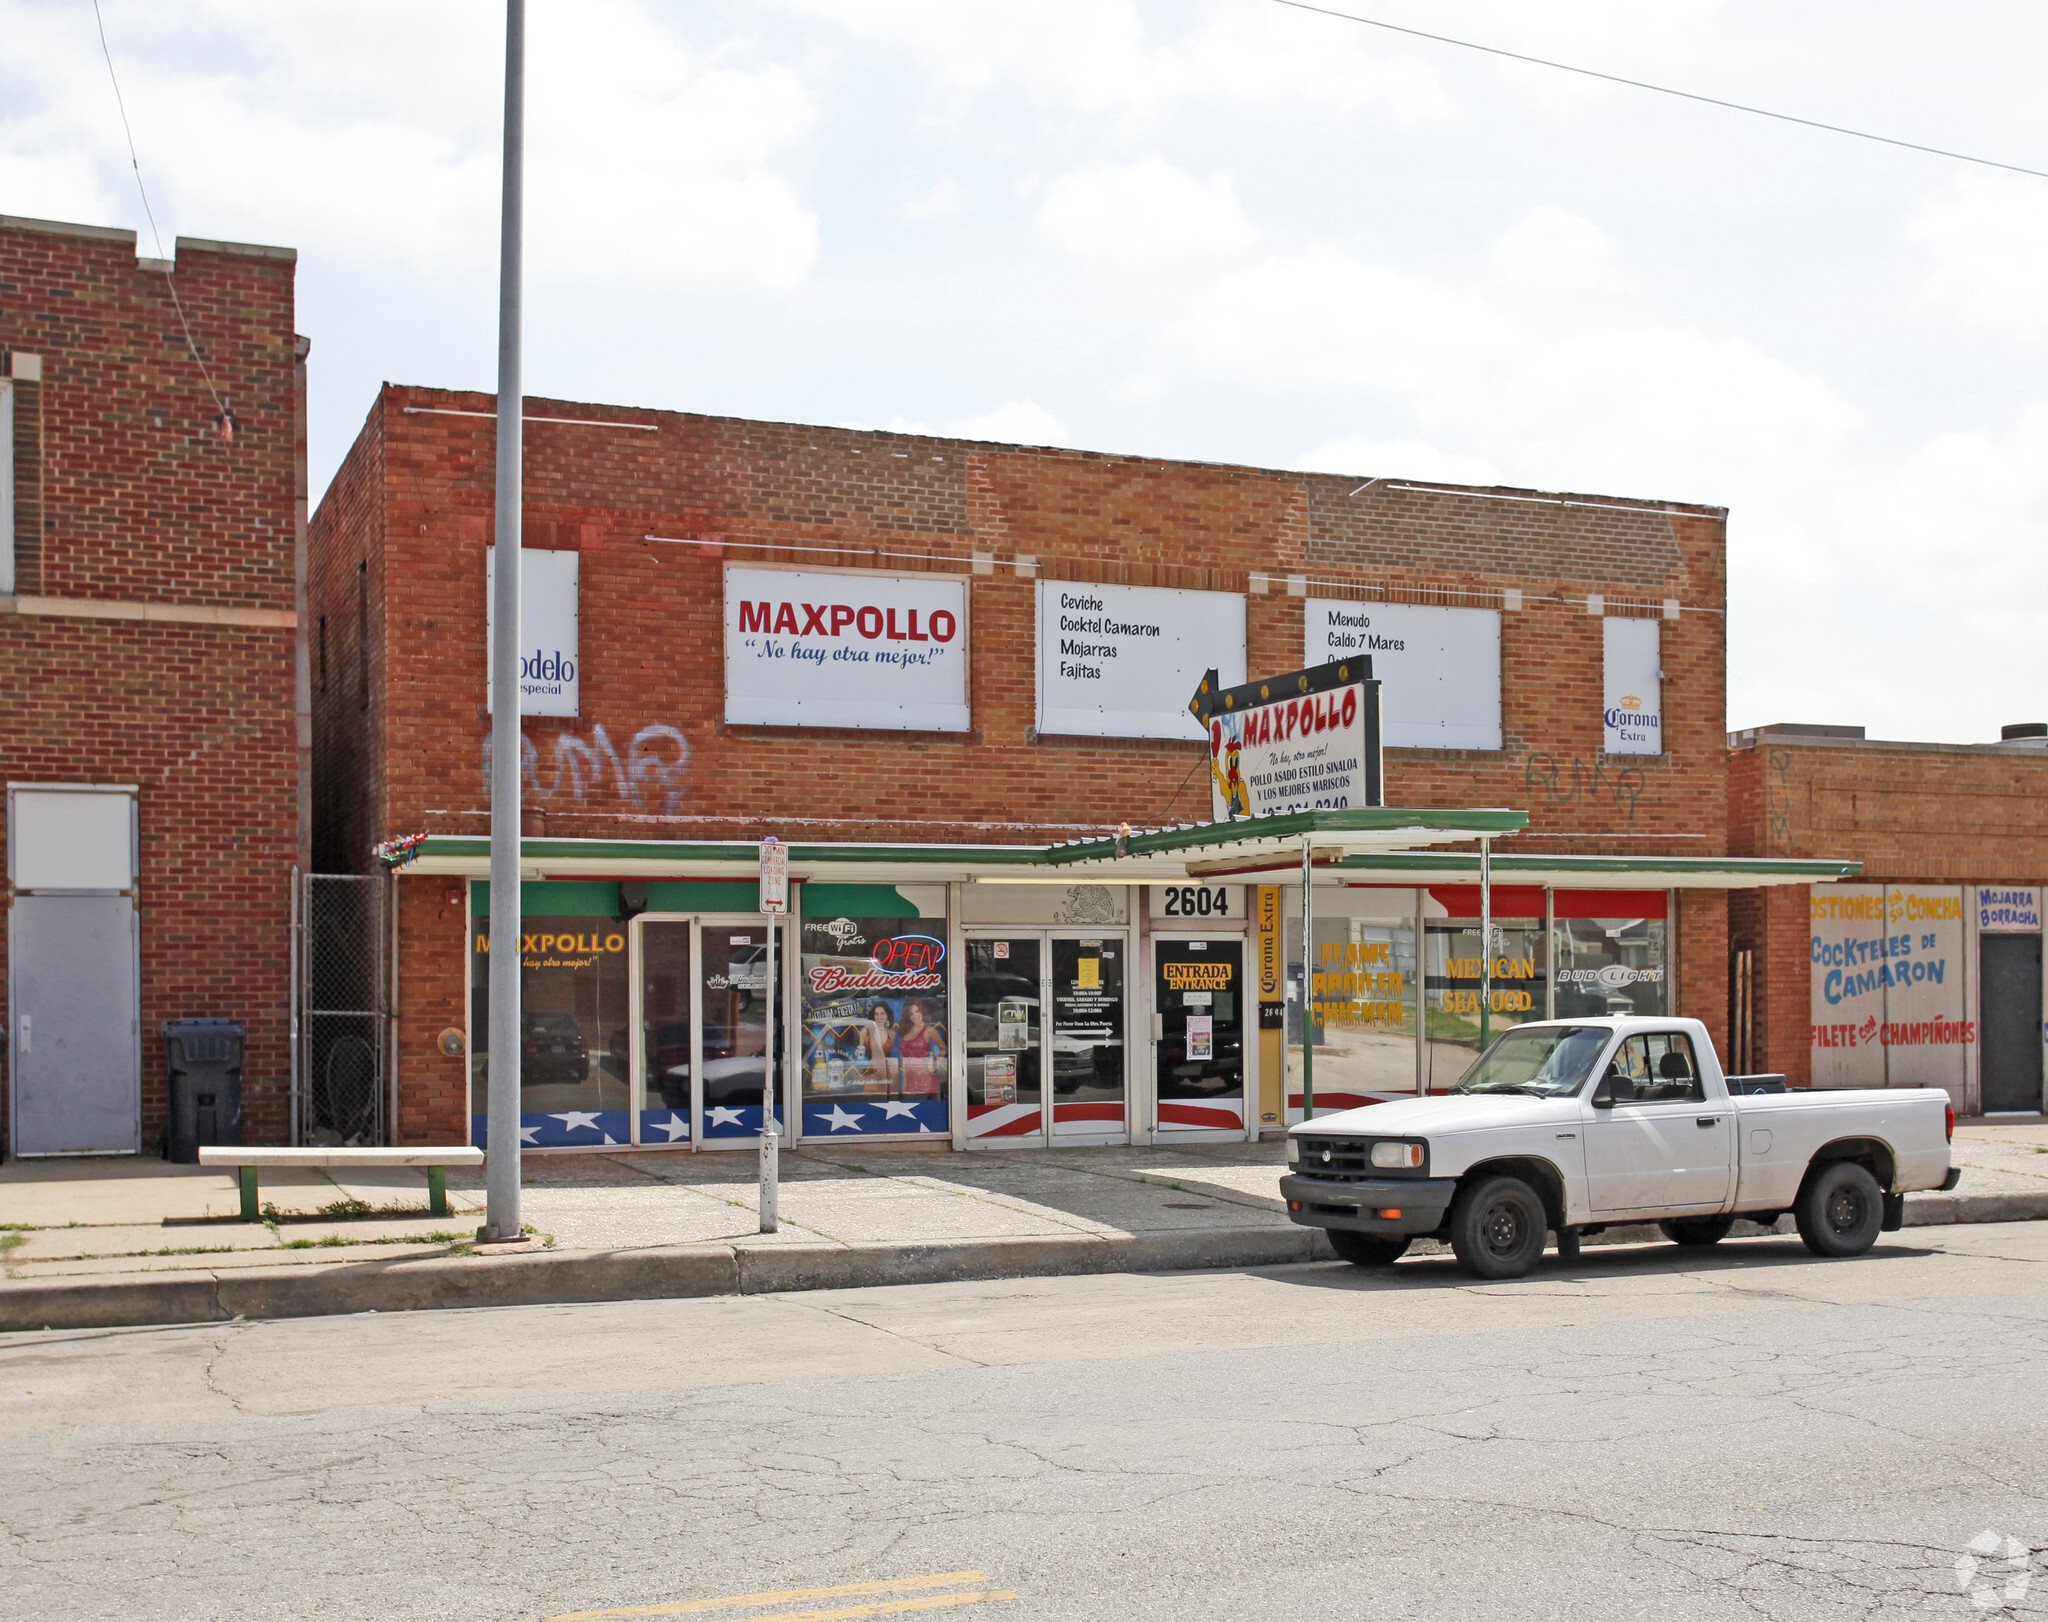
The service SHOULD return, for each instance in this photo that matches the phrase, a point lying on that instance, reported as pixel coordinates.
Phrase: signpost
(1305, 741)
(774, 901)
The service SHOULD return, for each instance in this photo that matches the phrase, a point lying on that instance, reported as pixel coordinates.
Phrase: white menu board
(1123, 661)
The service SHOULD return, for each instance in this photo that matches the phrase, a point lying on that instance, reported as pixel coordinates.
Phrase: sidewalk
(95, 1243)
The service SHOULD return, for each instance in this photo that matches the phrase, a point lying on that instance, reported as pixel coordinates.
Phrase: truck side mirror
(1603, 1095)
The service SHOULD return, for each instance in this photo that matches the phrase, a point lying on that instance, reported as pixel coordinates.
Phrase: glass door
(1199, 996)
(663, 1060)
(732, 1031)
(1087, 1037)
(1002, 1031)
(701, 1031)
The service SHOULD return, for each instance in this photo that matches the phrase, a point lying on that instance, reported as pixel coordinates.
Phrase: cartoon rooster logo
(1230, 784)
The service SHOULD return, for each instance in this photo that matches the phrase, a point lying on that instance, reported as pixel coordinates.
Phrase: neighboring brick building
(1527, 633)
(1927, 973)
(147, 663)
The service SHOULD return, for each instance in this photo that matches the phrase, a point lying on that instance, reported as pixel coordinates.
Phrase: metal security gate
(342, 1009)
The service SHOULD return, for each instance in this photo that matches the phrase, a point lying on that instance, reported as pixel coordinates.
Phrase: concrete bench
(252, 1161)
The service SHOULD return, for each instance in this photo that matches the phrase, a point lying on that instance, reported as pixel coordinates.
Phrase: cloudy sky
(1214, 229)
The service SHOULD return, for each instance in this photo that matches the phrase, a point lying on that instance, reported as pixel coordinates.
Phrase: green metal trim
(736, 851)
(248, 1182)
(1365, 819)
(437, 1190)
(1762, 867)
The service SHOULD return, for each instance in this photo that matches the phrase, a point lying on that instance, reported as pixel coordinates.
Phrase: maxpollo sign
(1309, 741)
(845, 649)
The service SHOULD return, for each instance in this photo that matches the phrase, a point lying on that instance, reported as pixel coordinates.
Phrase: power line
(226, 417)
(1665, 90)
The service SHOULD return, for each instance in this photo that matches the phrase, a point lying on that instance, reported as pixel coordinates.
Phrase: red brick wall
(1775, 925)
(130, 494)
(1702, 945)
(433, 922)
(414, 503)
(652, 615)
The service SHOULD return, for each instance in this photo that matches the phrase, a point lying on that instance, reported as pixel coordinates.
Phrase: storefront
(1927, 974)
(955, 680)
(981, 1004)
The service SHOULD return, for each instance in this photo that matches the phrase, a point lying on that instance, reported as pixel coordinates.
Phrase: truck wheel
(1497, 1227)
(1367, 1249)
(1697, 1230)
(1839, 1210)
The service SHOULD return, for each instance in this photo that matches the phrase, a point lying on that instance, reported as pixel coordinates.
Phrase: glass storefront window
(1362, 996)
(1456, 986)
(876, 1037)
(574, 1052)
(1611, 966)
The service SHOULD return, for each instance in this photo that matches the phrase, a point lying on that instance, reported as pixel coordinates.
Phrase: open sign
(909, 954)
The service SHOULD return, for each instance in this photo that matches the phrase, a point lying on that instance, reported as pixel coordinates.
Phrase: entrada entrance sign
(1306, 741)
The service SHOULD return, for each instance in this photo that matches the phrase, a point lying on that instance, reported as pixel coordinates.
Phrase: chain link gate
(339, 932)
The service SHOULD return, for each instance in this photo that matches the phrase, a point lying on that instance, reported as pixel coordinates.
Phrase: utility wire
(135, 163)
(1663, 90)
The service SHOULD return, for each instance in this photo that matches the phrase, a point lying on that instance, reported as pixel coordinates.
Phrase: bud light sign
(548, 657)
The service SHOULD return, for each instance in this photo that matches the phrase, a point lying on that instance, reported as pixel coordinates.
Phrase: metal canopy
(1377, 845)
(1153, 856)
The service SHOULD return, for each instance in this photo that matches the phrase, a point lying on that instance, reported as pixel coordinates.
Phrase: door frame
(132, 891)
(1044, 1138)
(636, 1020)
(1248, 1025)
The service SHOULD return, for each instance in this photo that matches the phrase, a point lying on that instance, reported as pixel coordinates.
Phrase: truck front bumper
(1389, 1205)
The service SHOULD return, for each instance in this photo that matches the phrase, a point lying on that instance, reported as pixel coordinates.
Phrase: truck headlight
(1397, 1155)
(1294, 1151)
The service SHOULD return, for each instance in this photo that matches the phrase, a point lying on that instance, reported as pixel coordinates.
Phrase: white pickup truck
(1571, 1126)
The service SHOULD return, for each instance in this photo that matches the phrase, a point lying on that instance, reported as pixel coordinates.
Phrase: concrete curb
(552, 1278)
(558, 1278)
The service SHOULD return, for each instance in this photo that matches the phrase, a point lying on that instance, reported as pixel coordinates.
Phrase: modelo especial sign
(1306, 741)
(548, 648)
(818, 648)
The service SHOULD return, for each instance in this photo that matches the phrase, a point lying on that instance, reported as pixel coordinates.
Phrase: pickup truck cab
(1571, 1126)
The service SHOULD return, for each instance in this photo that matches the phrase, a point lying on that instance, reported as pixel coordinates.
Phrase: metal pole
(501, 1176)
(1308, 981)
(1485, 942)
(771, 1136)
(292, 975)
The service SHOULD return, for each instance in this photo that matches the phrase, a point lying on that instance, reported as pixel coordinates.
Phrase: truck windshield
(1547, 1061)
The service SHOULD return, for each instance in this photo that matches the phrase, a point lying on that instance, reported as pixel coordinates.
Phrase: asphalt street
(1743, 1434)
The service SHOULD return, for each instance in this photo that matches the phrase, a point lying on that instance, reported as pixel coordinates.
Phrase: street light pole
(501, 1175)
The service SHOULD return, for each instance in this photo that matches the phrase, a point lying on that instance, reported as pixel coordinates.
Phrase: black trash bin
(203, 1080)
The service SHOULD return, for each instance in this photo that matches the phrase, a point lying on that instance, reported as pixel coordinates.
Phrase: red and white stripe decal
(1001, 1120)
(1206, 1117)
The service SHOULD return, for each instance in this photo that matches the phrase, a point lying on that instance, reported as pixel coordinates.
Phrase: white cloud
(942, 197)
(1106, 57)
(1553, 247)
(1987, 245)
(1142, 213)
(369, 133)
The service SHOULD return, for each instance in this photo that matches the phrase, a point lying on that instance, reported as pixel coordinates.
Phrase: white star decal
(674, 1127)
(841, 1121)
(723, 1116)
(895, 1107)
(573, 1119)
(530, 1134)
(610, 1142)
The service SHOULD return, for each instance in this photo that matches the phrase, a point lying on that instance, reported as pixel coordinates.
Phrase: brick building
(1929, 971)
(148, 557)
(706, 603)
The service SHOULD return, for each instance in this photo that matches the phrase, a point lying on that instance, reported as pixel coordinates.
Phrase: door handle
(1709, 1120)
